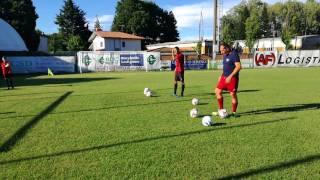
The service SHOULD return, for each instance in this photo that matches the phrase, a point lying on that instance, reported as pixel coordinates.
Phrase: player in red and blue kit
(229, 80)
(179, 71)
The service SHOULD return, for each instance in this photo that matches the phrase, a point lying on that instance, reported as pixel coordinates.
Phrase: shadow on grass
(123, 106)
(7, 113)
(52, 81)
(210, 129)
(30, 94)
(275, 167)
(106, 108)
(290, 108)
(10, 143)
(224, 92)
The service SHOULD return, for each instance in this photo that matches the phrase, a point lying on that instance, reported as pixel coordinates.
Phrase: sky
(187, 14)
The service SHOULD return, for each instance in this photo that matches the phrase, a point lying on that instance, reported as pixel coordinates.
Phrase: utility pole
(215, 22)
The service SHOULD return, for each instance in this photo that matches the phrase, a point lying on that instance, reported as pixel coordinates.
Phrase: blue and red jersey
(229, 63)
(179, 62)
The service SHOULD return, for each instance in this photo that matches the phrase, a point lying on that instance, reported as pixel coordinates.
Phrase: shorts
(179, 76)
(231, 87)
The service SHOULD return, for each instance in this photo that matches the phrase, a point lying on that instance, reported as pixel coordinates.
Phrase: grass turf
(100, 125)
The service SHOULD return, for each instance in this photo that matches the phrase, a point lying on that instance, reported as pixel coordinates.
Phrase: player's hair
(226, 45)
(177, 48)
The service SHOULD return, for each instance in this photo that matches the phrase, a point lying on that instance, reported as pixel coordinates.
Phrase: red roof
(118, 35)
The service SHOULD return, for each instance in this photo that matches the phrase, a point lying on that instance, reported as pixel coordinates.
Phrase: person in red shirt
(7, 72)
(179, 71)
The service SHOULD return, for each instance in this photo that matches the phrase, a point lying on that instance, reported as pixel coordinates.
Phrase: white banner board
(89, 61)
(303, 58)
(40, 64)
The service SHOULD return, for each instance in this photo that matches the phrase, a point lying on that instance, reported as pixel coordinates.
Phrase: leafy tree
(253, 31)
(311, 11)
(21, 15)
(228, 29)
(56, 42)
(71, 22)
(286, 36)
(75, 43)
(265, 23)
(145, 19)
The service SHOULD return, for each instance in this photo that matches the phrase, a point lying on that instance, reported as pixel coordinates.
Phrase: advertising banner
(89, 61)
(302, 58)
(192, 64)
(40, 64)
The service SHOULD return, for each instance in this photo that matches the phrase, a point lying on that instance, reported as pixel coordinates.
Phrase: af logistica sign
(306, 58)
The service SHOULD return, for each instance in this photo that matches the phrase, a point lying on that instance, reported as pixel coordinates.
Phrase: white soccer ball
(195, 101)
(207, 121)
(194, 113)
(223, 113)
(149, 93)
(146, 90)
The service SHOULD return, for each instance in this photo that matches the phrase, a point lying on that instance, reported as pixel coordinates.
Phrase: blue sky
(187, 13)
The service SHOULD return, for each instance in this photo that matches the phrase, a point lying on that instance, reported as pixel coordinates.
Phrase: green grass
(101, 126)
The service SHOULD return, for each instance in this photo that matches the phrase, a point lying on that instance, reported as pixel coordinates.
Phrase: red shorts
(231, 87)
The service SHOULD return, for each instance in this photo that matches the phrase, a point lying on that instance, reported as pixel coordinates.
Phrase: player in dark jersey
(229, 80)
(179, 71)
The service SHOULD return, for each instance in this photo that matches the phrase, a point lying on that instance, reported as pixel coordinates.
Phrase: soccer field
(101, 126)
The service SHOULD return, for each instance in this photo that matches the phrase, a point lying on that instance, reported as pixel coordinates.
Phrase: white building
(10, 40)
(114, 41)
(308, 42)
(206, 46)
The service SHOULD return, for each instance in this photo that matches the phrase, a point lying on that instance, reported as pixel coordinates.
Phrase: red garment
(6, 69)
(231, 87)
(179, 62)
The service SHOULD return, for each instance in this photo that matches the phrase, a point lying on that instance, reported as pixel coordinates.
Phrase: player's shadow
(275, 167)
(20, 133)
(31, 80)
(289, 108)
(6, 113)
(224, 92)
(123, 106)
(148, 139)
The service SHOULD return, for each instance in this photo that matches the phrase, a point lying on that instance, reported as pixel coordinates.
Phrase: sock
(182, 89)
(234, 107)
(175, 88)
(220, 102)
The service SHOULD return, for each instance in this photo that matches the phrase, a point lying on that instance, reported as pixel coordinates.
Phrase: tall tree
(228, 29)
(145, 19)
(21, 15)
(311, 10)
(265, 23)
(71, 21)
(253, 31)
(97, 24)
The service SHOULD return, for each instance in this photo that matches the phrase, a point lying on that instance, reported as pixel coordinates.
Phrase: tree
(228, 29)
(97, 24)
(265, 23)
(253, 31)
(145, 19)
(56, 42)
(311, 11)
(75, 43)
(21, 15)
(71, 22)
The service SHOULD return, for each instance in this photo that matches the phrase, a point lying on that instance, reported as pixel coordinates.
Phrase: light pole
(215, 20)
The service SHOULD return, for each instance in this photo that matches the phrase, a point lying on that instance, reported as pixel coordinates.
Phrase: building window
(101, 44)
(123, 44)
